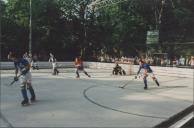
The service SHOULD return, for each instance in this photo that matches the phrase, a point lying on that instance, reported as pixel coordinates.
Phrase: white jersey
(53, 61)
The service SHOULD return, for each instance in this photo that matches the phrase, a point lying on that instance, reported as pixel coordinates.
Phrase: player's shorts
(151, 74)
(27, 78)
(80, 68)
(54, 65)
(148, 73)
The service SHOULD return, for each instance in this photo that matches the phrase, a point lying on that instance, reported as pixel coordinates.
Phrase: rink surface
(64, 101)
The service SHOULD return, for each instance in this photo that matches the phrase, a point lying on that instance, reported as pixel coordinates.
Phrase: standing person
(23, 66)
(187, 60)
(191, 62)
(30, 59)
(182, 60)
(34, 62)
(27, 57)
(8, 56)
(80, 67)
(53, 60)
(147, 69)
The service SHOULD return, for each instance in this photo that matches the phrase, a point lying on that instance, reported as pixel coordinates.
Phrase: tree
(68, 28)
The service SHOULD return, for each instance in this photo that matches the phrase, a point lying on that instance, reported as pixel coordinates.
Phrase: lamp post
(30, 29)
(82, 52)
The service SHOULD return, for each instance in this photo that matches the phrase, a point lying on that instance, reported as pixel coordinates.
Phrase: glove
(15, 78)
(24, 71)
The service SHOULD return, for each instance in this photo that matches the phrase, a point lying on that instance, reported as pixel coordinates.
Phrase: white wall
(167, 71)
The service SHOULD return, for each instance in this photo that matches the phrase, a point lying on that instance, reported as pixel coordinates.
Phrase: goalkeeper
(118, 70)
(23, 66)
(147, 70)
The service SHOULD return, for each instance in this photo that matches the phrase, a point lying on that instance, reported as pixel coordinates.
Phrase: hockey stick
(59, 66)
(14, 80)
(123, 86)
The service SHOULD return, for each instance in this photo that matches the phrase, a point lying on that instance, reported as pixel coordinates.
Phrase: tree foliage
(68, 27)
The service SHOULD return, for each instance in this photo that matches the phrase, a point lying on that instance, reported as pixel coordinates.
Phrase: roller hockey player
(27, 57)
(34, 62)
(53, 60)
(147, 70)
(80, 67)
(23, 66)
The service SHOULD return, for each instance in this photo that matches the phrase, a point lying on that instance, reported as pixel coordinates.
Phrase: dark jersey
(146, 67)
(21, 64)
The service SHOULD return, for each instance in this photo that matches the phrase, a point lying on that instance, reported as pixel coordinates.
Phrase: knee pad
(144, 78)
(154, 78)
(29, 86)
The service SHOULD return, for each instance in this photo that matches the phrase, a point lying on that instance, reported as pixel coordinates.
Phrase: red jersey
(78, 62)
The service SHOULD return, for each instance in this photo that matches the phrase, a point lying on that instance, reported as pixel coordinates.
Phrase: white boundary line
(184, 120)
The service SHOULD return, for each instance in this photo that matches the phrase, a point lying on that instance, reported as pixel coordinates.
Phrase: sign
(152, 37)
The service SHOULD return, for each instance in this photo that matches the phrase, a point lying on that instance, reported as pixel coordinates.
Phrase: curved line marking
(106, 107)
(9, 125)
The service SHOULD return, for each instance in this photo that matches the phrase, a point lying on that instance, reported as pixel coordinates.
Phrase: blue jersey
(146, 67)
(21, 64)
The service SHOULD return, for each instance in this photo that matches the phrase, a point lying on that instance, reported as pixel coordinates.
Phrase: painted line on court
(113, 109)
(9, 125)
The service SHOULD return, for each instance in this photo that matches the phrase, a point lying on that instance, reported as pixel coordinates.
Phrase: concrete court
(64, 101)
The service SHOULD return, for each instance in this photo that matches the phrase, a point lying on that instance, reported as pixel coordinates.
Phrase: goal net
(127, 64)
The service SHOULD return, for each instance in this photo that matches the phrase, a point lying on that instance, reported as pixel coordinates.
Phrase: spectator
(162, 62)
(177, 61)
(191, 62)
(182, 60)
(8, 56)
(34, 62)
(187, 61)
